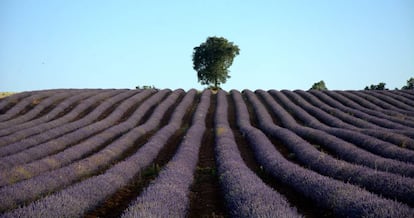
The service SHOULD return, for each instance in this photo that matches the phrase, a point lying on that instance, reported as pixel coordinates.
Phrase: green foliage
(212, 59)
(145, 87)
(319, 86)
(410, 84)
(380, 86)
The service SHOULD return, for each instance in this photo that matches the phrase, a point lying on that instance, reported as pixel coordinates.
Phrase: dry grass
(5, 94)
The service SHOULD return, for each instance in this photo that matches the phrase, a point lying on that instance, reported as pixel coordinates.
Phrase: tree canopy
(380, 86)
(212, 59)
(319, 86)
(410, 84)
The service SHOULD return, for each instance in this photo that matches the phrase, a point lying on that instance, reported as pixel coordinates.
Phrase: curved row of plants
(69, 152)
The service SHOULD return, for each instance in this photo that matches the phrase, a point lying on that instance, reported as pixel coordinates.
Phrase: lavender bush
(10, 101)
(369, 143)
(47, 131)
(377, 132)
(168, 195)
(379, 102)
(37, 110)
(71, 138)
(390, 185)
(341, 148)
(344, 199)
(408, 94)
(26, 102)
(367, 107)
(245, 194)
(83, 196)
(74, 98)
(365, 127)
(64, 153)
(394, 100)
(99, 158)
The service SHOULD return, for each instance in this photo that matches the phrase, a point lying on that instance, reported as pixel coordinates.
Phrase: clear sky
(288, 44)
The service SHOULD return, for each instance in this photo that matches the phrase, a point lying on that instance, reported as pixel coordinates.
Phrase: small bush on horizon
(410, 84)
(145, 87)
(319, 86)
(380, 86)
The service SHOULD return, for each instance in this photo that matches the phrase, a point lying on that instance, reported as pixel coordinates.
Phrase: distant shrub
(145, 87)
(410, 84)
(380, 86)
(319, 86)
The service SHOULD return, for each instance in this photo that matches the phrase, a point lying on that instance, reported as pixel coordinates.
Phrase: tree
(380, 86)
(410, 84)
(145, 87)
(319, 86)
(212, 59)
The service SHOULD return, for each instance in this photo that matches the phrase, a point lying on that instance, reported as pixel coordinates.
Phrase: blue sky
(289, 44)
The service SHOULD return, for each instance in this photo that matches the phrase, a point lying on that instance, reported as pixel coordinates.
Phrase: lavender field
(176, 153)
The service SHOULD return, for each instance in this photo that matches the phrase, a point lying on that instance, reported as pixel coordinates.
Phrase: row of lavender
(97, 159)
(395, 185)
(78, 196)
(41, 133)
(341, 197)
(382, 176)
(55, 112)
(159, 199)
(168, 195)
(22, 101)
(338, 115)
(246, 195)
(150, 202)
(312, 130)
(99, 130)
(329, 123)
(365, 110)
